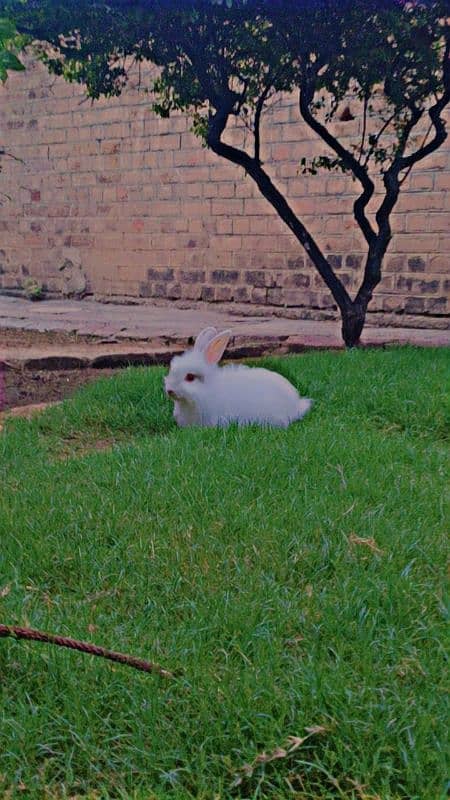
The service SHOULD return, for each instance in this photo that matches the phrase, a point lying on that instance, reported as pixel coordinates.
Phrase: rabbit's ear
(204, 337)
(216, 347)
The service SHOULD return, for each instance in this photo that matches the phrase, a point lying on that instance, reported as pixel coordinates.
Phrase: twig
(363, 135)
(259, 107)
(84, 647)
(403, 179)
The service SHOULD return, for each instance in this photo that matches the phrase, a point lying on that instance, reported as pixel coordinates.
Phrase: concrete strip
(171, 325)
(80, 355)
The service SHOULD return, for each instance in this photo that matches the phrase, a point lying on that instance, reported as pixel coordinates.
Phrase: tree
(10, 44)
(226, 59)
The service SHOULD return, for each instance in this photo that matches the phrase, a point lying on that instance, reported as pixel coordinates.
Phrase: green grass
(235, 556)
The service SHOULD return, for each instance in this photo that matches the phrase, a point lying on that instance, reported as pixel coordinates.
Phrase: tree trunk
(353, 318)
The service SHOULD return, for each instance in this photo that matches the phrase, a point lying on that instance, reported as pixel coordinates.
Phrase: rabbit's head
(189, 373)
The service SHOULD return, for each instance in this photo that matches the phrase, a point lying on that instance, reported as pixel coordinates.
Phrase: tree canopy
(10, 43)
(225, 59)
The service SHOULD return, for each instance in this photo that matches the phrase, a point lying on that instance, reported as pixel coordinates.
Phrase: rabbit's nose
(170, 392)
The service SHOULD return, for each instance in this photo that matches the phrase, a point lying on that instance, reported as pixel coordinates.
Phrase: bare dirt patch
(77, 447)
(22, 387)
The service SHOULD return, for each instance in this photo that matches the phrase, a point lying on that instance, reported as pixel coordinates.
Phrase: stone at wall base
(374, 318)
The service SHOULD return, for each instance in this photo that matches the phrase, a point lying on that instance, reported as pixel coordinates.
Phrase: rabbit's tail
(304, 406)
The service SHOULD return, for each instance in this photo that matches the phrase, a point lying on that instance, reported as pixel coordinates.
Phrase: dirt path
(21, 387)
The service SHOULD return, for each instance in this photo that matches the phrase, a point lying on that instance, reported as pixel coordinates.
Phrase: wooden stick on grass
(84, 647)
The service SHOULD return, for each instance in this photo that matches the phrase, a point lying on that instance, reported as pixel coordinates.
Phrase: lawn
(295, 578)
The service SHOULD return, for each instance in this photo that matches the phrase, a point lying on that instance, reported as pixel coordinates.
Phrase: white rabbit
(208, 395)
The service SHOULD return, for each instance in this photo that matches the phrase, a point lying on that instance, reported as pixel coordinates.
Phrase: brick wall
(133, 205)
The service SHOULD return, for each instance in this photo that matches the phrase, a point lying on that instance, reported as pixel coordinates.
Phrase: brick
(387, 283)
(295, 297)
(421, 182)
(275, 296)
(275, 261)
(174, 291)
(110, 177)
(439, 223)
(59, 211)
(188, 158)
(224, 276)
(417, 223)
(207, 293)
(241, 295)
(442, 245)
(223, 294)
(392, 303)
(335, 262)
(442, 181)
(81, 241)
(395, 264)
(414, 305)
(339, 185)
(416, 264)
(187, 276)
(296, 263)
(232, 207)
(256, 206)
(167, 141)
(160, 274)
(413, 284)
(159, 290)
(210, 189)
(398, 223)
(259, 295)
(437, 305)
(256, 278)
(227, 190)
(353, 262)
(296, 280)
(224, 225)
(245, 188)
(327, 301)
(339, 223)
(423, 201)
(440, 263)
(191, 291)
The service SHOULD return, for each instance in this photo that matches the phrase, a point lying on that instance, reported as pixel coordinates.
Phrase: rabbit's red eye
(190, 377)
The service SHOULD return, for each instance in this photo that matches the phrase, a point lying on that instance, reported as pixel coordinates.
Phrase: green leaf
(7, 29)
(9, 61)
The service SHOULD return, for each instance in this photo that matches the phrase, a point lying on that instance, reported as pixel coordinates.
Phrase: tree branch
(434, 114)
(439, 137)
(408, 170)
(217, 124)
(363, 134)
(349, 161)
(392, 183)
(377, 248)
(377, 138)
(259, 107)
(84, 647)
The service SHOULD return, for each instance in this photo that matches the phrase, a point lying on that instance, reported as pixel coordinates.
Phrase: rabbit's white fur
(216, 396)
